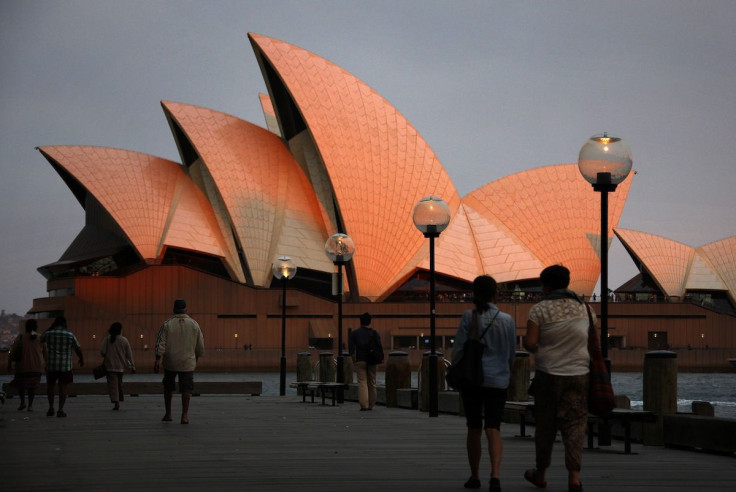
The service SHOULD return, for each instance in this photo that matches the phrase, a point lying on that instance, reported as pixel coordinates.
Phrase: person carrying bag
(467, 373)
(482, 364)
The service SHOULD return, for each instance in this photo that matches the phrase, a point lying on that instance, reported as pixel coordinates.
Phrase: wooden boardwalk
(281, 444)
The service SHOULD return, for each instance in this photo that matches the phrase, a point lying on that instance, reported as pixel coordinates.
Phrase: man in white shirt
(179, 343)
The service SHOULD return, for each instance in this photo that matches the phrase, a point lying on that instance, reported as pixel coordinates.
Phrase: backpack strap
(490, 324)
(473, 334)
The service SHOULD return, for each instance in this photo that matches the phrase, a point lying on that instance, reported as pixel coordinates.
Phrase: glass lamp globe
(283, 268)
(339, 248)
(431, 215)
(604, 160)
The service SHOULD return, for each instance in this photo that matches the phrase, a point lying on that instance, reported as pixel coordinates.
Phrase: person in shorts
(179, 345)
(58, 344)
(484, 405)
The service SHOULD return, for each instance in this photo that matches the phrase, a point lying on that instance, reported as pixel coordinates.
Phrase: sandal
(472, 483)
(532, 476)
(578, 487)
(61, 413)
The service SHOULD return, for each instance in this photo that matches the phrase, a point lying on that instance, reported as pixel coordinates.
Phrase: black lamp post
(604, 162)
(431, 216)
(283, 269)
(339, 248)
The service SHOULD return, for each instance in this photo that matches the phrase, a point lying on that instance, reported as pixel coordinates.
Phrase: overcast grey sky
(493, 87)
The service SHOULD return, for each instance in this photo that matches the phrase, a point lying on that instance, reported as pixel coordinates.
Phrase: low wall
(696, 432)
(268, 360)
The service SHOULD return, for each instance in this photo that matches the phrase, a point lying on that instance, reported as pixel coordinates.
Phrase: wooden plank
(279, 444)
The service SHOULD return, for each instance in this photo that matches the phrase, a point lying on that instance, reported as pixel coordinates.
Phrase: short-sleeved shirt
(59, 345)
(563, 337)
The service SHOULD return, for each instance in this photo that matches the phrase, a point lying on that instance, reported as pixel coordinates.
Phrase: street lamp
(604, 162)
(339, 248)
(431, 216)
(283, 269)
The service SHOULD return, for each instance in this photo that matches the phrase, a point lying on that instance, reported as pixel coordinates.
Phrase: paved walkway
(281, 444)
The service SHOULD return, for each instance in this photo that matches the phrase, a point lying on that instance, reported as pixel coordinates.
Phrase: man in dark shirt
(359, 343)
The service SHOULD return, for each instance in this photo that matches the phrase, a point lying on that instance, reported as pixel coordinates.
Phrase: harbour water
(717, 388)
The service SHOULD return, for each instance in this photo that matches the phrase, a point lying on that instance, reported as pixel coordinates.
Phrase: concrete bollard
(398, 375)
(424, 378)
(304, 367)
(703, 408)
(327, 367)
(660, 392)
(623, 402)
(519, 384)
(347, 368)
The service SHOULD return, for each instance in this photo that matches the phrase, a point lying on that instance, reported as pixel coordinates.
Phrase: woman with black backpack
(484, 404)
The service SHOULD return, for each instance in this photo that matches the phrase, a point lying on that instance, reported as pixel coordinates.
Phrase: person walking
(361, 344)
(179, 344)
(27, 353)
(117, 356)
(557, 335)
(58, 344)
(484, 405)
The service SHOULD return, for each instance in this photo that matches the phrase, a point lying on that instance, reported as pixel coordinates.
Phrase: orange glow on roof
(666, 260)
(143, 194)
(722, 255)
(267, 198)
(676, 267)
(378, 164)
(541, 217)
(353, 162)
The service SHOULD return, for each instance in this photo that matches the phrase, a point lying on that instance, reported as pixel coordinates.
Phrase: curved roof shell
(722, 255)
(540, 217)
(667, 261)
(267, 199)
(151, 199)
(338, 157)
(378, 165)
(677, 267)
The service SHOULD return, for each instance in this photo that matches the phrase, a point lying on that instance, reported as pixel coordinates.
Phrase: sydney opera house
(335, 156)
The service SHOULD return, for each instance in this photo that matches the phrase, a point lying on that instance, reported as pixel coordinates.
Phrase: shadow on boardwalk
(281, 444)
